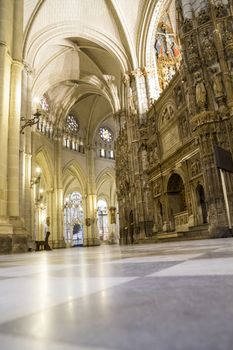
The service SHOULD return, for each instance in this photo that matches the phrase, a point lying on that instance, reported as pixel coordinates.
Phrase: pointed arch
(106, 185)
(146, 39)
(150, 19)
(105, 175)
(44, 161)
(73, 171)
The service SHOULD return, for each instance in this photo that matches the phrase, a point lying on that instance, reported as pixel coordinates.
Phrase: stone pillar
(6, 26)
(58, 227)
(91, 232)
(13, 140)
(26, 162)
(11, 36)
(113, 237)
(150, 85)
(15, 112)
(141, 93)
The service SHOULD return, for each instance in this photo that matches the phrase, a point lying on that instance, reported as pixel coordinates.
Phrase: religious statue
(144, 159)
(201, 94)
(217, 85)
(132, 108)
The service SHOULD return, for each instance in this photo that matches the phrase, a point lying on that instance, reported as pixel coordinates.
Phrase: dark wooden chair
(43, 245)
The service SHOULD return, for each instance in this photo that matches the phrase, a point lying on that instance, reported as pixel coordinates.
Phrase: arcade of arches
(108, 127)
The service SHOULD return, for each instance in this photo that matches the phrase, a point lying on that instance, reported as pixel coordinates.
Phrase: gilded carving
(203, 15)
(201, 93)
(208, 49)
(144, 158)
(167, 113)
(156, 188)
(153, 156)
(179, 95)
(220, 9)
(195, 167)
(192, 53)
(167, 53)
(187, 25)
(217, 83)
(190, 115)
(228, 42)
(184, 126)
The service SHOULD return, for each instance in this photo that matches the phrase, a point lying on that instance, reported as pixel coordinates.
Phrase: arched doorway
(73, 219)
(201, 205)
(176, 202)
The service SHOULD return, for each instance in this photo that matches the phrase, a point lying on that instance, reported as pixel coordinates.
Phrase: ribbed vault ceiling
(78, 51)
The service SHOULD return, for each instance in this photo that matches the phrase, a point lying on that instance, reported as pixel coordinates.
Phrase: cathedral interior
(116, 130)
(109, 129)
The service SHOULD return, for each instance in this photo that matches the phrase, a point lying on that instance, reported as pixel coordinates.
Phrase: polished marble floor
(170, 296)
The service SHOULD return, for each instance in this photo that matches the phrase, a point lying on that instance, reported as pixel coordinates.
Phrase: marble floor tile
(23, 296)
(156, 258)
(170, 296)
(199, 267)
(22, 343)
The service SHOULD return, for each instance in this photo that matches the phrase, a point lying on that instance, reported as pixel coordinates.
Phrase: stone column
(15, 112)
(141, 93)
(26, 145)
(91, 236)
(113, 238)
(6, 20)
(150, 85)
(13, 141)
(58, 194)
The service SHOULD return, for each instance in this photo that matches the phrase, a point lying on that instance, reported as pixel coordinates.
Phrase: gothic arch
(104, 197)
(43, 160)
(71, 172)
(146, 41)
(178, 172)
(176, 192)
(107, 176)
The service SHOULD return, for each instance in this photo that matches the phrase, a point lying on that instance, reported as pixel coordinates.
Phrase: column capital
(148, 72)
(137, 72)
(18, 63)
(126, 79)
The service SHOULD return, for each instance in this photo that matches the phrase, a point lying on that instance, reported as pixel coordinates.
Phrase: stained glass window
(72, 124)
(76, 198)
(106, 134)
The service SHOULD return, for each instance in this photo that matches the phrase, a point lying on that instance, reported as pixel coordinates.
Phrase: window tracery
(73, 219)
(106, 134)
(72, 124)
